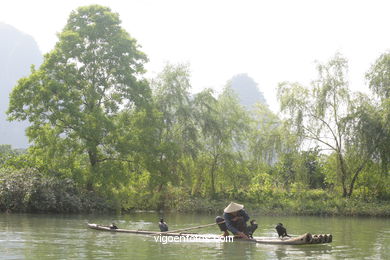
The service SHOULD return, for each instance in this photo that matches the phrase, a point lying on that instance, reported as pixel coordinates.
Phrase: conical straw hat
(232, 207)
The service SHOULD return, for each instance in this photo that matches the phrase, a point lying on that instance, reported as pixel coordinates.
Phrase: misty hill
(18, 51)
(246, 89)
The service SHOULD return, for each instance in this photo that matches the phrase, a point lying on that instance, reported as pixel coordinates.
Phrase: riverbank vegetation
(103, 137)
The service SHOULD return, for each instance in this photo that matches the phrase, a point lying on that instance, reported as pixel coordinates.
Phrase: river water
(46, 236)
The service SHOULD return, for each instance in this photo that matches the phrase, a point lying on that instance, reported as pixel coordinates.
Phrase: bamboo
(300, 240)
(190, 228)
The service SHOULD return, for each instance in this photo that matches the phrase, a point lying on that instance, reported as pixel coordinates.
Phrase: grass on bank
(307, 202)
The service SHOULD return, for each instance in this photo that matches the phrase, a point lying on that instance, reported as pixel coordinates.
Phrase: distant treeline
(104, 137)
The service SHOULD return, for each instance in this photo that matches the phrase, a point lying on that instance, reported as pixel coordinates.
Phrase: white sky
(272, 41)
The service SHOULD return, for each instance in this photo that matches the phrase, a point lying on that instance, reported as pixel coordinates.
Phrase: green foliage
(103, 138)
(223, 142)
(379, 82)
(267, 137)
(27, 190)
(311, 168)
(379, 76)
(73, 100)
(329, 119)
(8, 154)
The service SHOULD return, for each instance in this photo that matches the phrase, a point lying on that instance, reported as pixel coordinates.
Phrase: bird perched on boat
(282, 231)
(163, 226)
(113, 226)
(252, 228)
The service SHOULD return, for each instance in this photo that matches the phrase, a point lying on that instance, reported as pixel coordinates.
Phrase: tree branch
(316, 138)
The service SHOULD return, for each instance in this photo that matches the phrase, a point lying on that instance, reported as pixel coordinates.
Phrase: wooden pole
(190, 228)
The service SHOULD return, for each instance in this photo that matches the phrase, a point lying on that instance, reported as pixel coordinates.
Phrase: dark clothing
(221, 226)
(238, 225)
(234, 226)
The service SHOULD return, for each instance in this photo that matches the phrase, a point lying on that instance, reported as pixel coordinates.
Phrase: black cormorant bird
(252, 228)
(113, 226)
(282, 232)
(163, 226)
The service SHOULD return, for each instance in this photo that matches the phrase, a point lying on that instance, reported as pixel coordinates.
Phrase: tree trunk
(213, 168)
(212, 182)
(351, 186)
(161, 190)
(161, 197)
(343, 171)
(93, 160)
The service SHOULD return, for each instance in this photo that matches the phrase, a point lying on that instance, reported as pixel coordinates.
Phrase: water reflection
(240, 249)
(280, 252)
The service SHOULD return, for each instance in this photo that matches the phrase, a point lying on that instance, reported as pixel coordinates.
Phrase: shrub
(27, 190)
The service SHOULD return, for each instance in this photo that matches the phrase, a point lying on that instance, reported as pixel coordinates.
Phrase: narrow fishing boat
(299, 240)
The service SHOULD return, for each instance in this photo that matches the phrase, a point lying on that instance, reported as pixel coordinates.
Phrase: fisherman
(235, 218)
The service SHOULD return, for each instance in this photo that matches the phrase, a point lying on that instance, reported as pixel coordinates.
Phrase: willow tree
(175, 128)
(84, 83)
(379, 76)
(379, 82)
(321, 115)
(266, 136)
(223, 124)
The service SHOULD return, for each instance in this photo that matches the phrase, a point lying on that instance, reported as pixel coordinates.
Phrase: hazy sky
(272, 41)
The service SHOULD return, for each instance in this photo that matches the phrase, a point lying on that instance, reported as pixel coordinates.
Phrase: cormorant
(282, 232)
(113, 226)
(163, 226)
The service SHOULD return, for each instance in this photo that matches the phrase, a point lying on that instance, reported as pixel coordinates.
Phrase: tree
(266, 136)
(379, 82)
(176, 132)
(6, 153)
(365, 138)
(311, 168)
(224, 124)
(379, 76)
(206, 115)
(75, 97)
(321, 115)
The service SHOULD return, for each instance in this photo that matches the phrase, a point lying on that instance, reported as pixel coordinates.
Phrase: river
(47, 236)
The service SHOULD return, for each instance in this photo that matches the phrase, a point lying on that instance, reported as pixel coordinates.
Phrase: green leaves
(322, 115)
(295, 100)
(85, 82)
(379, 81)
(96, 120)
(379, 76)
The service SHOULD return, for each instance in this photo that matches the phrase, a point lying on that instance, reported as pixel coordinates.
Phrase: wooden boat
(299, 240)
